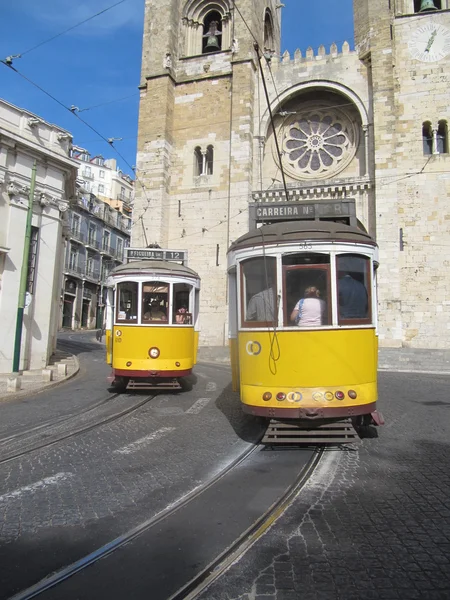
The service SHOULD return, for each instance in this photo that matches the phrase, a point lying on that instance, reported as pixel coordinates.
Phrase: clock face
(430, 42)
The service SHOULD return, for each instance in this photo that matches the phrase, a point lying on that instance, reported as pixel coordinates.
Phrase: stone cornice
(338, 189)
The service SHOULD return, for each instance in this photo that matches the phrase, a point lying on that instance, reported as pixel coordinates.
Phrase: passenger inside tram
(310, 311)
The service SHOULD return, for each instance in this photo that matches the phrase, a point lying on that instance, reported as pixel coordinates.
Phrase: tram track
(22, 434)
(155, 528)
(14, 455)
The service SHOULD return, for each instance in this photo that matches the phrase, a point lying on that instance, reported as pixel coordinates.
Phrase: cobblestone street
(373, 523)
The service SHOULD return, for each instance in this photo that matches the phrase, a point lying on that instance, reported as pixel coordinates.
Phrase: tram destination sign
(263, 212)
(156, 254)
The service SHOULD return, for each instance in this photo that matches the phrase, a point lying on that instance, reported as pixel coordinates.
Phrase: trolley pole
(23, 273)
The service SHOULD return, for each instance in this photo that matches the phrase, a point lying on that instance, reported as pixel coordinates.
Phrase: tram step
(336, 432)
(135, 384)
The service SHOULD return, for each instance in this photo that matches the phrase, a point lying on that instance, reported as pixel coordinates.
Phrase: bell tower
(405, 47)
(196, 137)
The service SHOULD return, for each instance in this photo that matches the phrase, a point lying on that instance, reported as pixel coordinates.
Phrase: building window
(203, 161)
(76, 224)
(427, 138)
(106, 240)
(212, 33)
(269, 44)
(73, 258)
(90, 266)
(102, 174)
(120, 248)
(101, 188)
(427, 5)
(206, 26)
(442, 137)
(32, 259)
(92, 234)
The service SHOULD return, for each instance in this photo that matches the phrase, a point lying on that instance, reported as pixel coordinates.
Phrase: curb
(44, 387)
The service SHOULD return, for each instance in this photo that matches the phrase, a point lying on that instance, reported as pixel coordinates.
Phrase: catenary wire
(54, 37)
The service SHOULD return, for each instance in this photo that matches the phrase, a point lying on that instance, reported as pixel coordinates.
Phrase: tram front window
(155, 300)
(127, 301)
(259, 276)
(353, 273)
(307, 288)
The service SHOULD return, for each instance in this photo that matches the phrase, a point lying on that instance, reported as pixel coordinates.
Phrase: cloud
(58, 15)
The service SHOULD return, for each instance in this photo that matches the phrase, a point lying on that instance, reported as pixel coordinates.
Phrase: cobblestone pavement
(370, 524)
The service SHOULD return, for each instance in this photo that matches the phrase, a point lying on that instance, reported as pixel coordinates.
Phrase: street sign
(156, 254)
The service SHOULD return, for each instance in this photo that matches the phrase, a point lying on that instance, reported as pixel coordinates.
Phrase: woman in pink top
(310, 310)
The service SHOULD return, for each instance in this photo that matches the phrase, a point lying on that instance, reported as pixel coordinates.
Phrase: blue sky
(98, 63)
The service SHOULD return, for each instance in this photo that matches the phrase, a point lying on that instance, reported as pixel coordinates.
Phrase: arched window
(212, 33)
(426, 5)
(269, 44)
(198, 162)
(203, 161)
(209, 160)
(206, 26)
(442, 137)
(427, 138)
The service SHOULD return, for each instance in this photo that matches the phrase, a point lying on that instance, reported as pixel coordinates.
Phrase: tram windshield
(155, 301)
(307, 301)
(127, 302)
(181, 302)
(353, 286)
(259, 276)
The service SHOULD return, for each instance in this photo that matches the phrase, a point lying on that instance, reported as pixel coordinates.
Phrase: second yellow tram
(323, 365)
(152, 324)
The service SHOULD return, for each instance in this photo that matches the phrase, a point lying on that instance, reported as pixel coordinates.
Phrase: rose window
(318, 143)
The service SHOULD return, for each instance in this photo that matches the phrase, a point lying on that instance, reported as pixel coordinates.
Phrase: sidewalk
(64, 366)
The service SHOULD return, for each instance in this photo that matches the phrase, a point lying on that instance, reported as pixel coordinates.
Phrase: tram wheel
(120, 384)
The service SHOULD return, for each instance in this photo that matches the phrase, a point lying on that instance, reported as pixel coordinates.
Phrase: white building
(104, 179)
(26, 139)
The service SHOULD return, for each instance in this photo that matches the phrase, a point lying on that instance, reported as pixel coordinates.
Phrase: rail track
(44, 439)
(160, 526)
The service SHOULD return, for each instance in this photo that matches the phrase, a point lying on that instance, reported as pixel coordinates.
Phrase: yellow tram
(303, 321)
(152, 323)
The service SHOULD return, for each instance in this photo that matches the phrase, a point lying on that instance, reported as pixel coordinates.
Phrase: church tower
(405, 45)
(196, 133)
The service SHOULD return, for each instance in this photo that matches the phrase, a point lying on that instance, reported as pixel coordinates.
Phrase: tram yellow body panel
(131, 344)
(311, 364)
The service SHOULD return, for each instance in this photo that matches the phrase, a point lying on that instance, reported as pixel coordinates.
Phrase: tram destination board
(263, 212)
(156, 254)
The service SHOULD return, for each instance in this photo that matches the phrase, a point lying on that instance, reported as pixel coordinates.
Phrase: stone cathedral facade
(359, 135)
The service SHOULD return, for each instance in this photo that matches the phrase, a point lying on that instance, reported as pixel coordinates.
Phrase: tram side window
(353, 288)
(155, 301)
(258, 283)
(307, 290)
(182, 311)
(127, 301)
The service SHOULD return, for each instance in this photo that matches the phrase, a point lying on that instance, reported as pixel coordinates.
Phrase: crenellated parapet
(310, 56)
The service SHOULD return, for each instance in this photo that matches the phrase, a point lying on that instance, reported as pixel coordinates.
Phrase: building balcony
(93, 243)
(87, 174)
(93, 275)
(76, 234)
(74, 271)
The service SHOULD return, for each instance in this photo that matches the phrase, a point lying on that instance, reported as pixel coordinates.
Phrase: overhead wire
(54, 37)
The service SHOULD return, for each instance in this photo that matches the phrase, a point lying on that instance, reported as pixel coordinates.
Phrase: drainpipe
(24, 273)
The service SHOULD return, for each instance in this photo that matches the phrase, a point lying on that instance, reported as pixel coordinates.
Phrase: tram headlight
(267, 396)
(352, 394)
(339, 395)
(129, 363)
(281, 396)
(154, 352)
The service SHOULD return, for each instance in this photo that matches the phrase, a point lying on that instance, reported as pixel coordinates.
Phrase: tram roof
(291, 231)
(161, 267)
